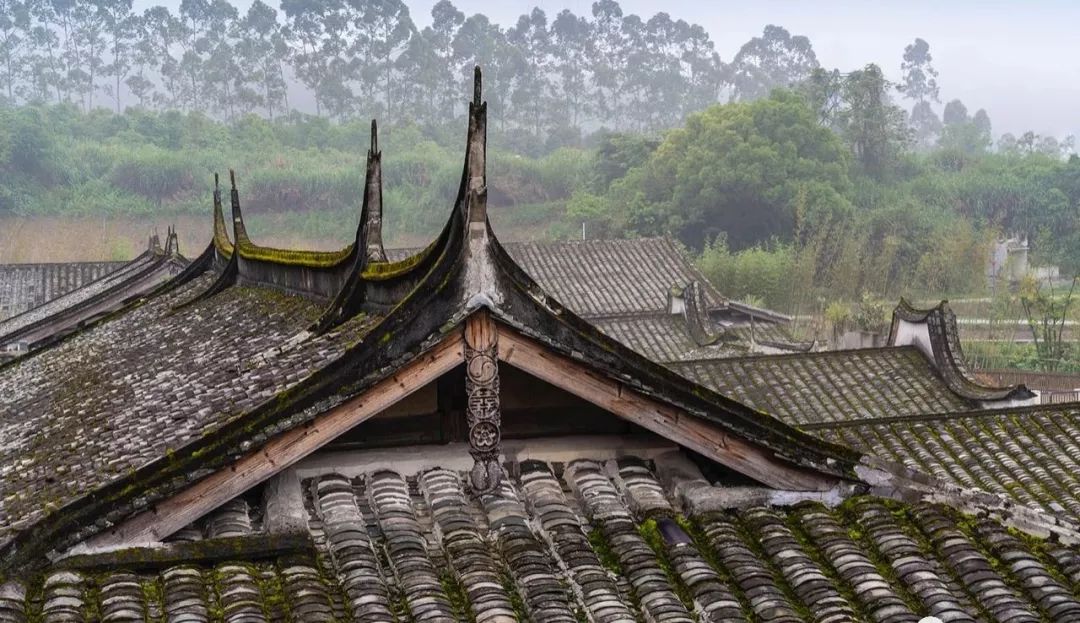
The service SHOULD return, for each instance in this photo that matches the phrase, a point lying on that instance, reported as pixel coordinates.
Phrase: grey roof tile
(615, 548)
(126, 392)
(833, 386)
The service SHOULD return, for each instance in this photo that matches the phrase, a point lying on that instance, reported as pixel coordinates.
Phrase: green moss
(849, 517)
(35, 598)
(521, 611)
(751, 541)
(603, 551)
(274, 603)
(651, 533)
(902, 512)
(459, 601)
(293, 257)
(709, 555)
(399, 606)
(92, 598)
(598, 541)
(382, 271)
(153, 597)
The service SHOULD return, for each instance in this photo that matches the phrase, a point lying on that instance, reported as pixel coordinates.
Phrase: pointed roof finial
(221, 232)
(239, 231)
(172, 243)
(477, 153)
(369, 235)
(477, 86)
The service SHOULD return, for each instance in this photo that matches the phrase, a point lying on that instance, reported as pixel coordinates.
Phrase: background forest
(793, 184)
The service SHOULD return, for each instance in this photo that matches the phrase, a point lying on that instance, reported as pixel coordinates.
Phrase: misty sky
(1019, 60)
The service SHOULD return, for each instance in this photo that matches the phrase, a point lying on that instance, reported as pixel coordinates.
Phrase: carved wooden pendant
(482, 413)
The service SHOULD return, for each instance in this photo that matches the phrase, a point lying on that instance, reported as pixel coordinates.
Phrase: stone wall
(25, 286)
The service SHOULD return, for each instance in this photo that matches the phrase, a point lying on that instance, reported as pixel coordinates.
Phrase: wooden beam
(208, 551)
(687, 430)
(280, 452)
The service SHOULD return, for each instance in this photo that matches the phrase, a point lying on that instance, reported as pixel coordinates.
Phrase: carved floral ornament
(482, 412)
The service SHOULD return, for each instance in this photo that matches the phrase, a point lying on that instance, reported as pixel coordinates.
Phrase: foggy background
(1018, 60)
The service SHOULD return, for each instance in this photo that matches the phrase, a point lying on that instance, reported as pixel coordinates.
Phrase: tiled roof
(583, 541)
(832, 386)
(600, 278)
(944, 346)
(79, 295)
(666, 337)
(610, 277)
(25, 286)
(125, 392)
(1031, 454)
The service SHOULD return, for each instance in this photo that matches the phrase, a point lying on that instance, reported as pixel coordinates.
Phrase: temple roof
(76, 416)
(249, 345)
(103, 295)
(601, 278)
(588, 539)
(667, 338)
(838, 386)
(1029, 454)
(175, 457)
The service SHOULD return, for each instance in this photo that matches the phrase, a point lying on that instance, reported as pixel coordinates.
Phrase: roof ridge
(947, 415)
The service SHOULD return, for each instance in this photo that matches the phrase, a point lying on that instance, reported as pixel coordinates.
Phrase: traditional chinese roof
(194, 456)
(921, 372)
(585, 539)
(668, 338)
(24, 286)
(640, 292)
(252, 347)
(935, 331)
(1029, 454)
(831, 386)
(99, 297)
(603, 278)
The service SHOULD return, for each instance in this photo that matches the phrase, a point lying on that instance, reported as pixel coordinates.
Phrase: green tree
(702, 69)
(532, 44)
(427, 67)
(919, 81)
(160, 34)
(480, 42)
(775, 59)
(875, 129)
(262, 52)
(570, 36)
(14, 27)
(607, 60)
(383, 30)
(120, 24)
(446, 19)
(44, 61)
(824, 92)
(925, 125)
(738, 169)
(1047, 313)
(955, 113)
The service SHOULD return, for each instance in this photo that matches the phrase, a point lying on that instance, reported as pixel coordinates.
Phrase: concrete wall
(24, 286)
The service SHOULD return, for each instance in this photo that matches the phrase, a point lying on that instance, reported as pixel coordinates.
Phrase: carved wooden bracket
(482, 412)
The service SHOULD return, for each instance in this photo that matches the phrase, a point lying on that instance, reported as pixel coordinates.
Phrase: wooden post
(482, 411)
